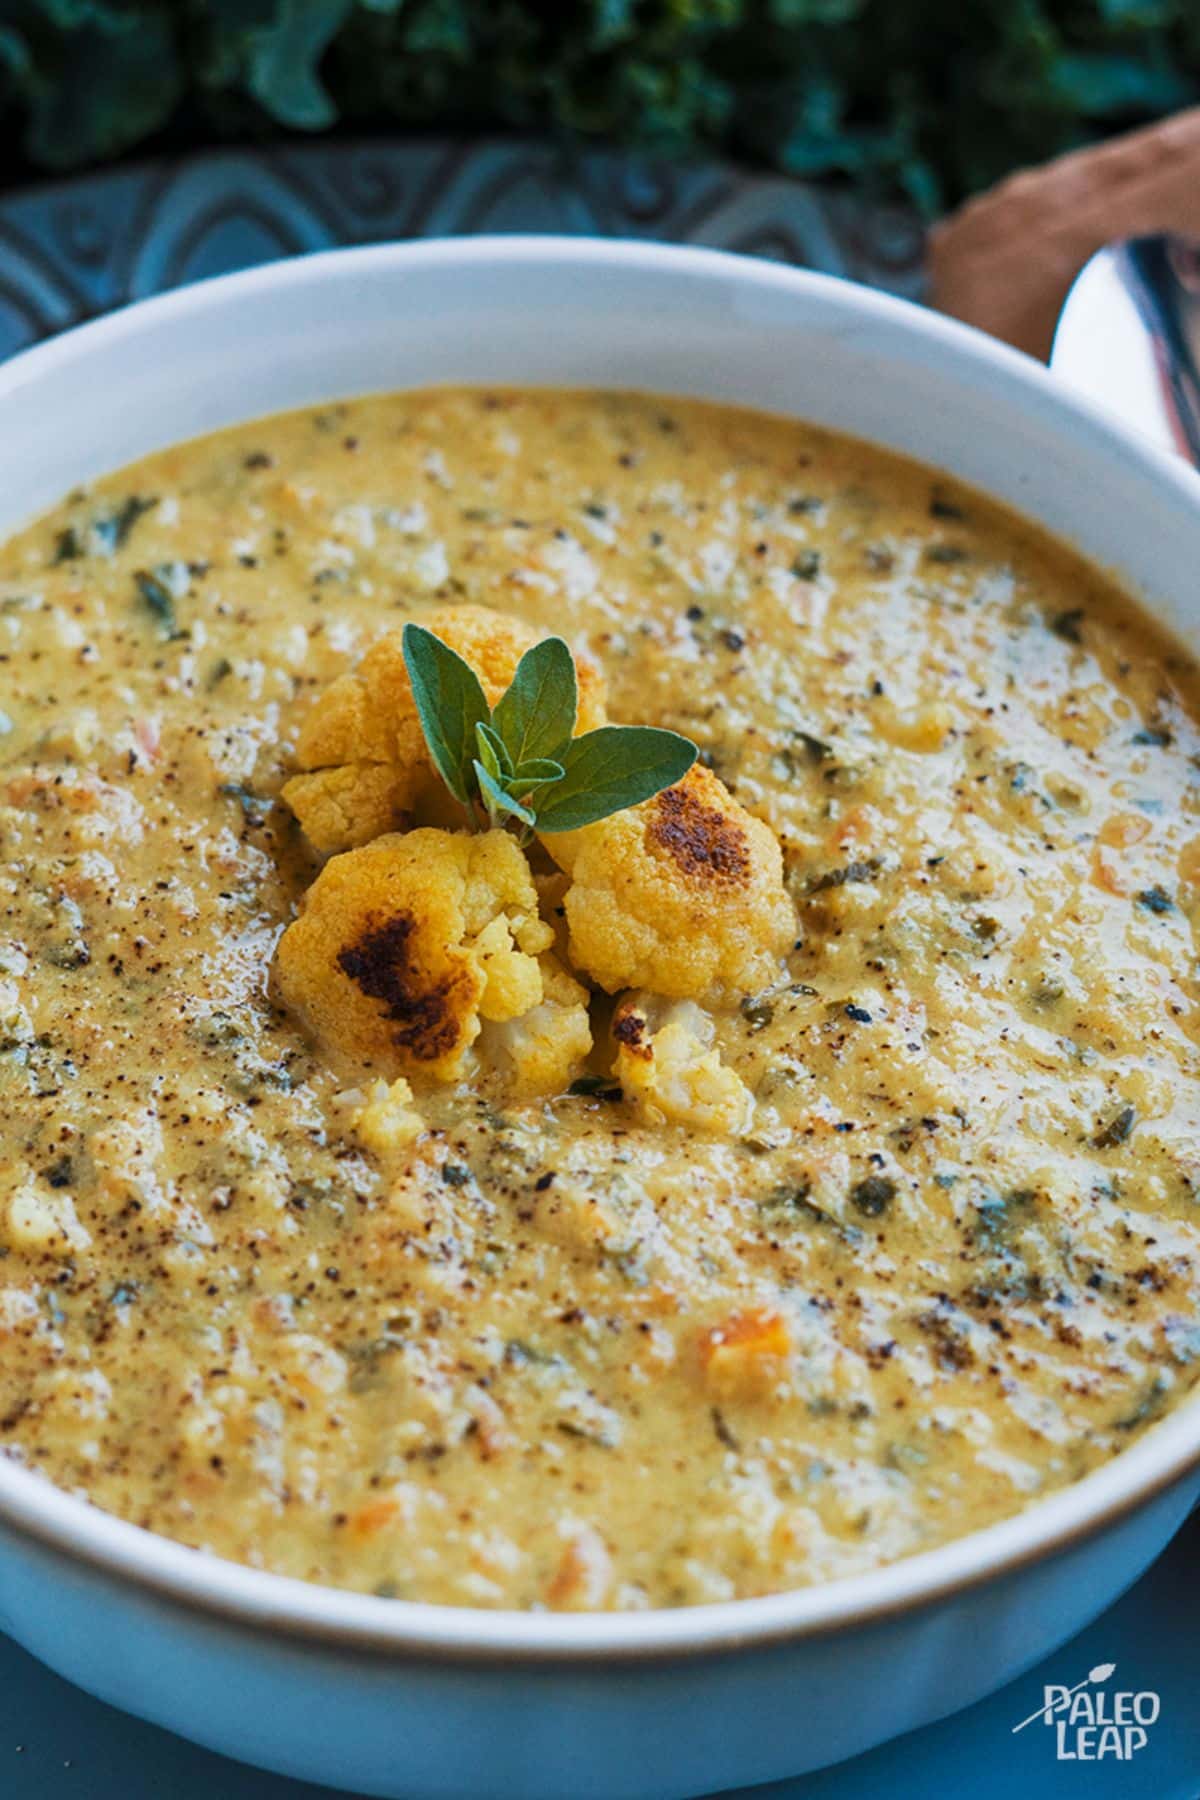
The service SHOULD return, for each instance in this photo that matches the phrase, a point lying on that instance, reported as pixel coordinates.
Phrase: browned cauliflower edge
(682, 895)
(404, 945)
(669, 1067)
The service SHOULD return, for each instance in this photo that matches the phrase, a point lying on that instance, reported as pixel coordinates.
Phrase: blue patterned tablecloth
(74, 249)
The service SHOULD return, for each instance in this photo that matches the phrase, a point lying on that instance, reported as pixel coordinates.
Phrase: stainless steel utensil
(1129, 337)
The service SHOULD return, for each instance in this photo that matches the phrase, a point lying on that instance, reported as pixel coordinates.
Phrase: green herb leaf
(538, 772)
(536, 717)
(450, 704)
(155, 593)
(111, 531)
(532, 788)
(500, 757)
(611, 768)
(599, 1087)
(500, 804)
(492, 753)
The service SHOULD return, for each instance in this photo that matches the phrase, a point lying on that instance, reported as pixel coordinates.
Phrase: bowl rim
(74, 1528)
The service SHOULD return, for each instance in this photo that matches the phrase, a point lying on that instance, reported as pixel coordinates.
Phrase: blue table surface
(67, 250)
(58, 1744)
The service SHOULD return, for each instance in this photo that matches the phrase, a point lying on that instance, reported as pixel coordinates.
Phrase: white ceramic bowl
(397, 1699)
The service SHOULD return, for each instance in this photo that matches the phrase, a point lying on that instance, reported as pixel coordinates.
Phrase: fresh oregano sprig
(519, 763)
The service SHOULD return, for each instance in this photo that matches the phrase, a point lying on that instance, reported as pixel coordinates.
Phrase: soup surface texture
(910, 1236)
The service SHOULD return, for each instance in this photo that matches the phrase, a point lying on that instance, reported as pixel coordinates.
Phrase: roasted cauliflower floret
(403, 946)
(542, 1051)
(667, 1065)
(366, 766)
(680, 895)
(341, 808)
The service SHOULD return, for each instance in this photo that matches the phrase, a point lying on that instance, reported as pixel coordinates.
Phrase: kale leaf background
(932, 98)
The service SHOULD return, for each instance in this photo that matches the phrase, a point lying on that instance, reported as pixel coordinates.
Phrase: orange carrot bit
(761, 1332)
(745, 1350)
(149, 738)
(859, 828)
(491, 1428)
(372, 1517)
(657, 1302)
(584, 1575)
(1110, 869)
(1123, 829)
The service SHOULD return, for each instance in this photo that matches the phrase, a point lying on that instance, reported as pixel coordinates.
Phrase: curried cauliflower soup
(772, 1179)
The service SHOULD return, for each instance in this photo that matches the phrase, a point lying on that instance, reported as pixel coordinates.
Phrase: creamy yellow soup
(916, 1246)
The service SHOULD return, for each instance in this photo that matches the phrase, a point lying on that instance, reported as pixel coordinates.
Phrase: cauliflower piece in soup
(544, 1049)
(404, 946)
(667, 1065)
(341, 808)
(365, 764)
(682, 894)
(387, 1120)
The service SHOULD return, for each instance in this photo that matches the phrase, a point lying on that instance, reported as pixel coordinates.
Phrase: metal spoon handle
(1129, 337)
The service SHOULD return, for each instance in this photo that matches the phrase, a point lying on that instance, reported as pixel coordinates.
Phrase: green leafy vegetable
(520, 762)
(285, 56)
(930, 97)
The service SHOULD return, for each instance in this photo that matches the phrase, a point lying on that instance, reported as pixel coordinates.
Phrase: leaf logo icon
(1101, 1672)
